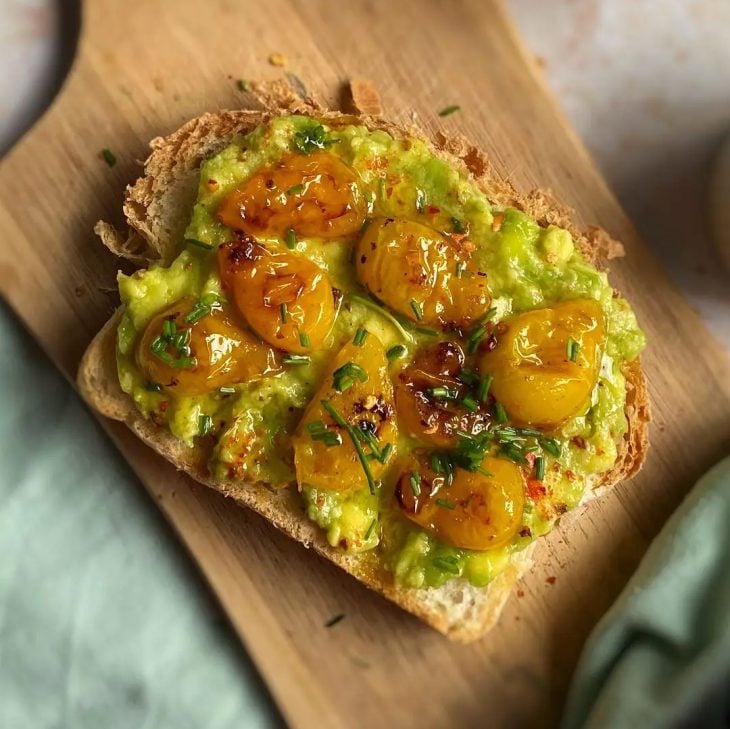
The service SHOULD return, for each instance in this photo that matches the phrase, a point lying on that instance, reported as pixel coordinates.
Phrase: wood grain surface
(143, 68)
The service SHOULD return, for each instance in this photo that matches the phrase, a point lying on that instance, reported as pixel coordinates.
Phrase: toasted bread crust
(157, 206)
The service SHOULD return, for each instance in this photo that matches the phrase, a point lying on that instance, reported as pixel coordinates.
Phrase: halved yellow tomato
(285, 298)
(313, 195)
(475, 511)
(191, 350)
(546, 362)
(431, 417)
(421, 273)
(357, 391)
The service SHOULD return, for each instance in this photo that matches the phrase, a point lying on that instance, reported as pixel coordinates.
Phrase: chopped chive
(448, 110)
(447, 564)
(283, 312)
(500, 413)
(296, 359)
(242, 85)
(404, 326)
(316, 426)
(469, 403)
(296, 190)
(332, 412)
(334, 620)
(396, 352)
(572, 349)
(199, 244)
(446, 504)
(345, 377)
(458, 226)
(460, 268)
(311, 138)
(329, 437)
(415, 481)
(484, 472)
(417, 309)
(184, 362)
(420, 200)
(109, 157)
(360, 337)
(385, 453)
(153, 387)
(168, 328)
(442, 393)
(304, 339)
(227, 390)
(540, 468)
(291, 238)
(158, 345)
(205, 424)
(371, 529)
(468, 377)
(484, 384)
(551, 446)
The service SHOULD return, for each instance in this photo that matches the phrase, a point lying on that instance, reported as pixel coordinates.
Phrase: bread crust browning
(157, 206)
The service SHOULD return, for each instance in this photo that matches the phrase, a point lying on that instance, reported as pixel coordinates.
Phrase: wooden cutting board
(145, 67)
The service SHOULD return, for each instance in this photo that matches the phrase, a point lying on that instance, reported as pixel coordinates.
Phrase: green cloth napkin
(103, 622)
(660, 657)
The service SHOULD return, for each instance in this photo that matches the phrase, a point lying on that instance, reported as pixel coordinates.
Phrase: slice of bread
(157, 208)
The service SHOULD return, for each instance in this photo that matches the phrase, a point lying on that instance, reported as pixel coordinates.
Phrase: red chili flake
(433, 210)
(530, 458)
(520, 593)
(551, 580)
(578, 441)
(535, 489)
(163, 406)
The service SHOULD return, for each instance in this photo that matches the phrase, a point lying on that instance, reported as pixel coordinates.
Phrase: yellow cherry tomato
(423, 411)
(285, 298)
(190, 354)
(313, 195)
(546, 362)
(365, 403)
(475, 512)
(421, 273)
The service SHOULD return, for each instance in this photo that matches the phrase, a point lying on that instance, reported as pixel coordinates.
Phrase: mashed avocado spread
(347, 311)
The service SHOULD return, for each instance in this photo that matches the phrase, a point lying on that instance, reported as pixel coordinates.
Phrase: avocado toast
(378, 374)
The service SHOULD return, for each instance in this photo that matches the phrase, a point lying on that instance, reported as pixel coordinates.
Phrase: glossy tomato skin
(366, 405)
(424, 275)
(285, 298)
(534, 378)
(475, 511)
(223, 352)
(431, 420)
(315, 195)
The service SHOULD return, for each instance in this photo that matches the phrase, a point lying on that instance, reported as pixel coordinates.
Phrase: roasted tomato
(546, 362)
(474, 512)
(423, 411)
(285, 298)
(190, 351)
(324, 454)
(313, 195)
(421, 273)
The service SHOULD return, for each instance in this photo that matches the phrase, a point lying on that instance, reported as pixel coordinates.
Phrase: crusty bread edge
(457, 609)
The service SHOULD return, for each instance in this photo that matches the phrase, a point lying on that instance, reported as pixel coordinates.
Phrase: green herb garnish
(448, 110)
(417, 309)
(415, 481)
(442, 393)
(458, 226)
(304, 339)
(334, 620)
(243, 85)
(311, 138)
(540, 468)
(199, 244)
(446, 504)
(205, 424)
(296, 189)
(396, 352)
(360, 337)
(371, 529)
(343, 378)
(283, 312)
(447, 564)
(476, 334)
(499, 412)
(109, 157)
(469, 403)
(296, 359)
(290, 238)
(484, 384)
(572, 349)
